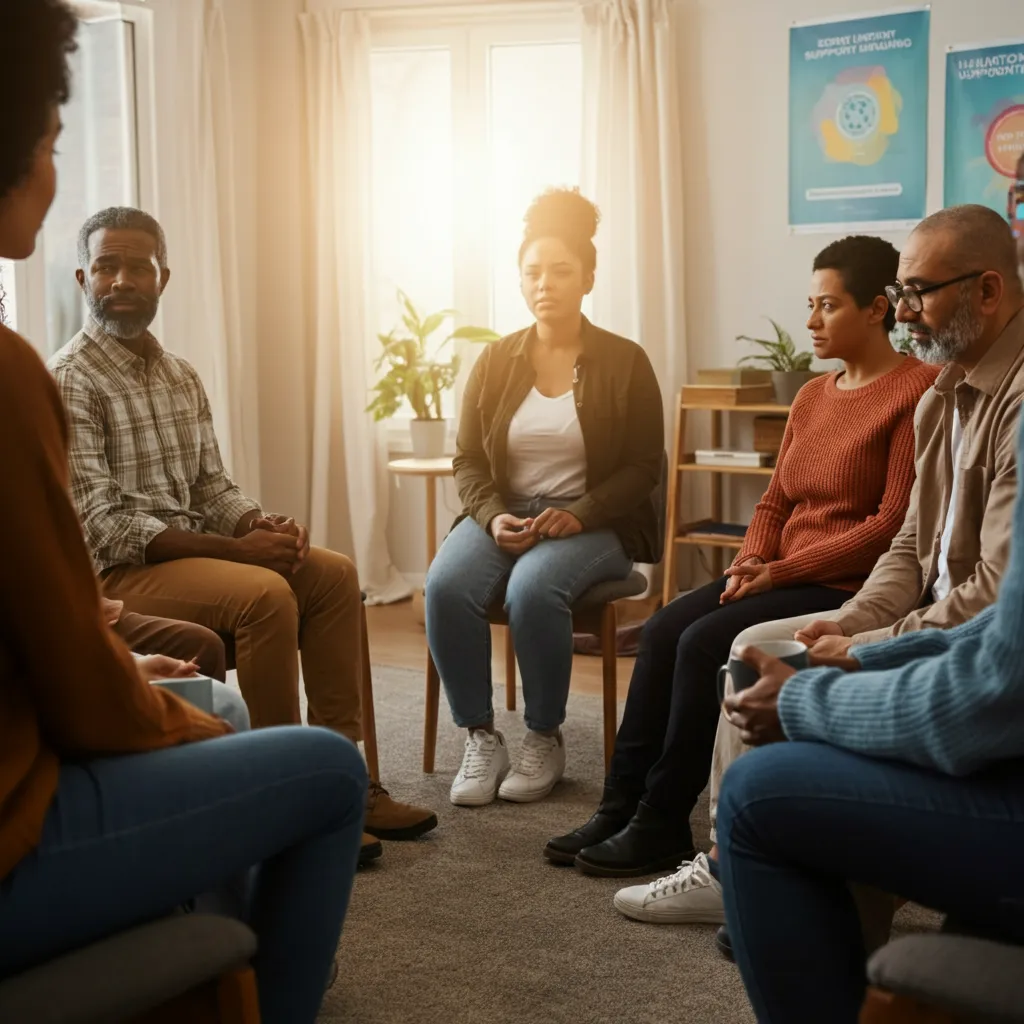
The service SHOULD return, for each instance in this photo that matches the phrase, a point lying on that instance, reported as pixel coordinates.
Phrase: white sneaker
(541, 765)
(484, 764)
(690, 896)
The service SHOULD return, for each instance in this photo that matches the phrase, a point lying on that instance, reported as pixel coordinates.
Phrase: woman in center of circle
(838, 496)
(558, 456)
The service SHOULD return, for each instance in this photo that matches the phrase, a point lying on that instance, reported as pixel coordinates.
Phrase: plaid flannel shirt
(142, 449)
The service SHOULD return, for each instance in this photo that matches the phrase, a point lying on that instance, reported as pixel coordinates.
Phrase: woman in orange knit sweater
(836, 499)
(111, 811)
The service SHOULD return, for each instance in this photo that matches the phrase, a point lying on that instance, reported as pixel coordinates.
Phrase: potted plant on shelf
(790, 369)
(420, 378)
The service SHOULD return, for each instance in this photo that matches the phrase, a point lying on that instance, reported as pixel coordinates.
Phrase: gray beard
(948, 344)
(125, 328)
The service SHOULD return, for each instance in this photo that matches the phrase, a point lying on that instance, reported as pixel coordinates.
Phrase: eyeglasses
(912, 294)
(1015, 205)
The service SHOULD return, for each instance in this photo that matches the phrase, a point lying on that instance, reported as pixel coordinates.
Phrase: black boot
(616, 809)
(651, 842)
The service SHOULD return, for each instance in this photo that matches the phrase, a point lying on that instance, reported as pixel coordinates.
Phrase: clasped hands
(516, 536)
(755, 710)
(275, 542)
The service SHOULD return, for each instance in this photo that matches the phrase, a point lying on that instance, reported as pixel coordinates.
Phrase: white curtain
(632, 169)
(349, 475)
(201, 310)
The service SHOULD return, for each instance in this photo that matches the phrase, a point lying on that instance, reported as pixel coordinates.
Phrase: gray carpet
(471, 924)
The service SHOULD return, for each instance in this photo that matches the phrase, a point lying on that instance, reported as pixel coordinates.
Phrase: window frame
(469, 34)
(30, 275)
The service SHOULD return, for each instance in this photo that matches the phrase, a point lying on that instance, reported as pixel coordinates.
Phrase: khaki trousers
(875, 908)
(316, 611)
(148, 634)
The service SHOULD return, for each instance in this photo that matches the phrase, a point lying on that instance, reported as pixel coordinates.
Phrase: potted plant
(790, 369)
(420, 378)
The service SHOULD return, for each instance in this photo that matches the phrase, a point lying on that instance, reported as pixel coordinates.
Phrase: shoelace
(535, 753)
(477, 761)
(691, 874)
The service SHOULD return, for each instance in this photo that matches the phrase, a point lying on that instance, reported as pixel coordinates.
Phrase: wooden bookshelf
(710, 532)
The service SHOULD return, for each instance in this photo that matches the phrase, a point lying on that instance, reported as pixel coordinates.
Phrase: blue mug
(792, 652)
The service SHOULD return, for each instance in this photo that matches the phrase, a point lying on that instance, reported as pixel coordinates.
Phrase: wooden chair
(594, 613)
(945, 979)
(192, 967)
(365, 696)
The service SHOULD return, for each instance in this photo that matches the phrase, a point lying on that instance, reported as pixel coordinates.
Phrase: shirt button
(579, 405)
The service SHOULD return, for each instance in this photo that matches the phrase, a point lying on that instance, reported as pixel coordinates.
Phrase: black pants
(664, 745)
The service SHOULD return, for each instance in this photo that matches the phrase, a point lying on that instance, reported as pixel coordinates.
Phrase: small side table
(430, 470)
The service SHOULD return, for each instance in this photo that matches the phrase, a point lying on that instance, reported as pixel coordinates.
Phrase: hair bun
(562, 213)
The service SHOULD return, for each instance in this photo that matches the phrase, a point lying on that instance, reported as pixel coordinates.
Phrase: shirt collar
(993, 365)
(123, 358)
(526, 338)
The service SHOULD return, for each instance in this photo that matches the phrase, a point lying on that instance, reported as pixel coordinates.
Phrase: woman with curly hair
(558, 455)
(118, 801)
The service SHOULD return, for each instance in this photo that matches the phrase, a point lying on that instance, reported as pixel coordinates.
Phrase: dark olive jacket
(618, 403)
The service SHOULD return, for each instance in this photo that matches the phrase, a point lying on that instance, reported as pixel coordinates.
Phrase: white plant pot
(428, 438)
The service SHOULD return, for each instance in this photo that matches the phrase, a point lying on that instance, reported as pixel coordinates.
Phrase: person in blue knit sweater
(904, 770)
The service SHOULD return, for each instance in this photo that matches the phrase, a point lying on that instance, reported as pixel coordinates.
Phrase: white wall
(741, 261)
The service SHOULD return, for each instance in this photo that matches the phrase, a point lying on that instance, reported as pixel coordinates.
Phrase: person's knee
(338, 570)
(535, 590)
(448, 584)
(211, 655)
(272, 603)
(751, 785)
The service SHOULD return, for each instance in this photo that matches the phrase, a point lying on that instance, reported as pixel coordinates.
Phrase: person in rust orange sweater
(112, 812)
(836, 499)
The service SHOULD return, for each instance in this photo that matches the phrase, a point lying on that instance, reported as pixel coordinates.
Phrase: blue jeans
(796, 821)
(465, 580)
(127, 839)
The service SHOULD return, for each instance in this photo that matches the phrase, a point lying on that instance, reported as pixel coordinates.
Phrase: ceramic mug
(792, 652)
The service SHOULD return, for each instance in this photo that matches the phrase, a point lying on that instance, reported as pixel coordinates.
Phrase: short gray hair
(984, 240)
(126, 218)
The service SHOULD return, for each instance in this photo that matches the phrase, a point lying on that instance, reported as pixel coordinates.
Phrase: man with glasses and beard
(960, 294)
(172, 535)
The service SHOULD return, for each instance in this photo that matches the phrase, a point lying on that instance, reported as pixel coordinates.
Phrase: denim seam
(183, 815)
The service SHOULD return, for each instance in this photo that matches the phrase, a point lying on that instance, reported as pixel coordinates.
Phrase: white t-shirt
(943, 585)
(546, 455)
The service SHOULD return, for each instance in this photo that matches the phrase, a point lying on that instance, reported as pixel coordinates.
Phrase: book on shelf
(732, 376)
(729, 457)
(733, 394)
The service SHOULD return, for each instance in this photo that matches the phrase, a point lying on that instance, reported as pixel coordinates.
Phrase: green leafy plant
(900, 338)
(411, 372)
(780, 353)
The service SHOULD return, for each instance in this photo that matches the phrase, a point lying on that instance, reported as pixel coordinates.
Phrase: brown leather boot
(388, 819)
(370, 849)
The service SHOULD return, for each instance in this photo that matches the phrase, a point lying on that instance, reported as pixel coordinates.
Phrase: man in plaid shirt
(170, 532)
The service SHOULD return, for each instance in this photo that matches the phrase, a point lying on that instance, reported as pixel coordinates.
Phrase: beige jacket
(896, 598)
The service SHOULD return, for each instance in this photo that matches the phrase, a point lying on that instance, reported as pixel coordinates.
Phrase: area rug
(471, 924)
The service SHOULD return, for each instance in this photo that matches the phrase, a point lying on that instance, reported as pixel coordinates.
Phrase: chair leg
(609, 666)
(881, 1007)
(510, 671)
(237, 999)
(430, 715)
(366, 701)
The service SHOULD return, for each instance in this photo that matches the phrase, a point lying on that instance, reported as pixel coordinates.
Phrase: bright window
(470, 121)
(104, 159)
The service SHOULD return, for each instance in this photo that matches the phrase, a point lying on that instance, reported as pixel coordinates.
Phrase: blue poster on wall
(858, 121)
(984, 123)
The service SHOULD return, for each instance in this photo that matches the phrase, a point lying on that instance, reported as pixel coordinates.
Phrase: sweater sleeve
(854, 552)
(957, 712)
(925, 643)
(79, 678)
(764, 534)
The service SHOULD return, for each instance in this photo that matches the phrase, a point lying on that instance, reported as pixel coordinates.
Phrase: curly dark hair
(565, 214)
(36, 37)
